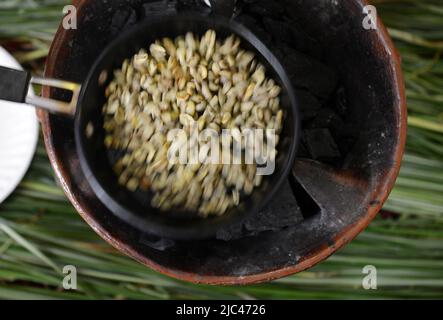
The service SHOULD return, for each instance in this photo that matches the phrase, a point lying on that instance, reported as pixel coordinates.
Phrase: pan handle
(14, 86)
(223, 7)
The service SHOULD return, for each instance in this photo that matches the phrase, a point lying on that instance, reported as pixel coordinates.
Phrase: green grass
(40, 232)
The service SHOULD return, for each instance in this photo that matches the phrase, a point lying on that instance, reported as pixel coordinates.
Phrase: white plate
(18, 137)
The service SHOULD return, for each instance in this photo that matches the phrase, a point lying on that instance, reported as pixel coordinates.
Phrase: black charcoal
(279, 30)
(346, 143)
(328, 118)
(247, 1)
(321, 145)
(288, 37)
(253, 24)
(123, 19)
(341, 102)
(282, 212)
(264, 8)
(128, 13)
(231, 233)
(160, 244)
(159, 8)
(310, 74)
(302, 151)
(308, 104)
(303, 42)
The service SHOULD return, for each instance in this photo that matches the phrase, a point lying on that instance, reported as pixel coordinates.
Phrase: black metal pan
(86, 107)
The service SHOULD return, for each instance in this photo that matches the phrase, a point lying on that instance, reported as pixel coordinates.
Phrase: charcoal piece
(328, 118)
(255, 26)
(341, 102)
(263, 8)
(279, 51)
(320, 144)
(122, 19)
(347, 135)
(308, 104)
(342, 131)
(308, 206)
(302, 151)
(310, 74)
(280, 31)
(225, 8)
(159, 8)
(160, 244)
(231, 233)
(346, 143)
(186, 4)
(288, 37)
(282, 212)
(248, 21)
(303, 42)
(126, 14)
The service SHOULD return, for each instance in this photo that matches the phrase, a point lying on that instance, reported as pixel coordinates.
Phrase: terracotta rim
(379, 194)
